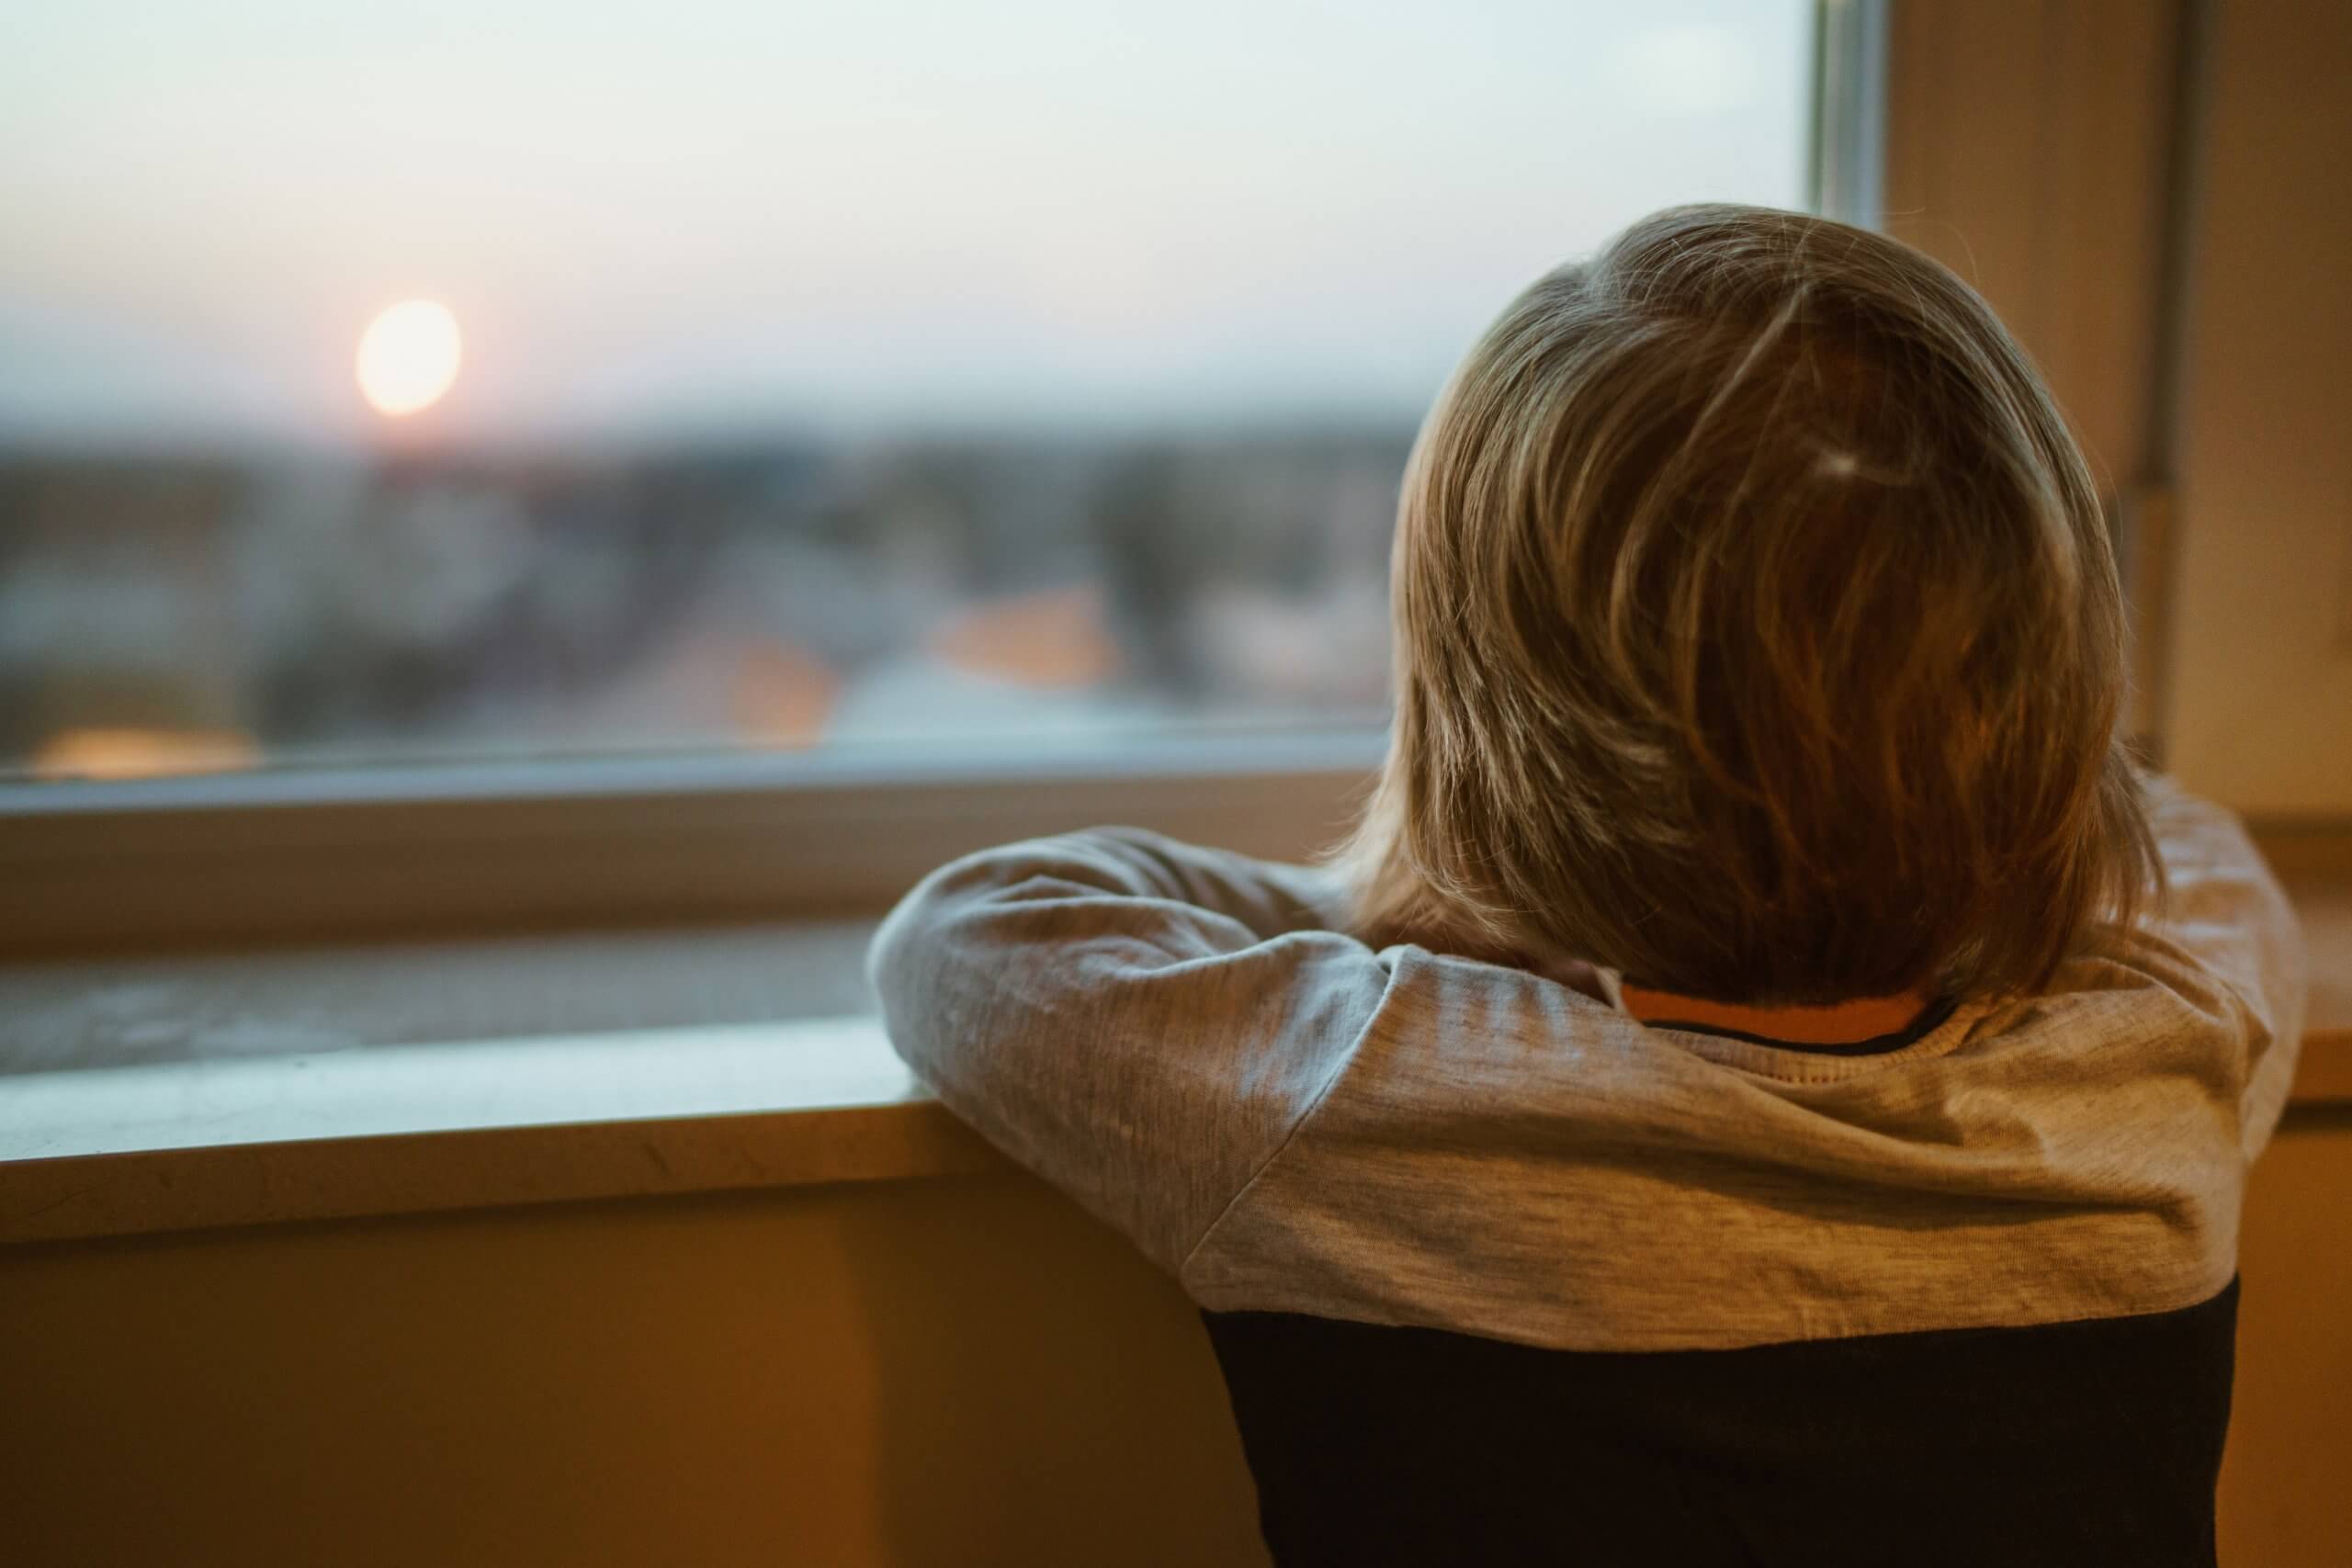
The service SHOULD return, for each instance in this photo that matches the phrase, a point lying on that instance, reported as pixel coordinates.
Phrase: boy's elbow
(904, 988)
(911, 926)
(923, 960)
(900, 936)
(901, 964)
(940, 913)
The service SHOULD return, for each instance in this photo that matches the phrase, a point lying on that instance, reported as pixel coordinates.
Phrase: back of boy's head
(1758, 635)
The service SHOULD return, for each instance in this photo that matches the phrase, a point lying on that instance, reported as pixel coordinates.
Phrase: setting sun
(407, 358)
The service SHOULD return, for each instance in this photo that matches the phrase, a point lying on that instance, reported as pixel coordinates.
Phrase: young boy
(1746, 1093)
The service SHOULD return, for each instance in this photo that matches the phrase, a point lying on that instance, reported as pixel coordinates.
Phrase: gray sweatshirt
(1290, 1121)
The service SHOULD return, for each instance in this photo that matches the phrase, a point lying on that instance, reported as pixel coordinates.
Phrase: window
(875, 430)
(480, 380)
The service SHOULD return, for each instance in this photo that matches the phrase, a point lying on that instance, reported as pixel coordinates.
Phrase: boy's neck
(1836, 1023)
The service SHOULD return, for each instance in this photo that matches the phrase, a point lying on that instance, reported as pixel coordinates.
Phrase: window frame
(284, 855)
(466, 850)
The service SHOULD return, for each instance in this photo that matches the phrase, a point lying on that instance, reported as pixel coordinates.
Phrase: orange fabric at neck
(1837, 1023)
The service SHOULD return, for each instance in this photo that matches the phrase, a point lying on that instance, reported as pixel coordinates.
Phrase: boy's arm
(2227, 910)
(1139, 1022)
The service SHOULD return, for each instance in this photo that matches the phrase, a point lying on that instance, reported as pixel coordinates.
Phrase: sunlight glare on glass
(407, 358)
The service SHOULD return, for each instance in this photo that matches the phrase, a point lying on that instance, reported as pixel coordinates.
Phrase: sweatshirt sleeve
(1139, 1022)
(2226, 910)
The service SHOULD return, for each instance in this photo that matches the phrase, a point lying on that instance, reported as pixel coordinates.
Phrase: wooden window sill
(239, 1141)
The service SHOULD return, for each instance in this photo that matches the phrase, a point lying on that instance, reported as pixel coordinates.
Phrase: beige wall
(2283, 1498)
(2261, 651)
(2029, 144)
(2026, 144)
(953, 1371)
(963, 1372)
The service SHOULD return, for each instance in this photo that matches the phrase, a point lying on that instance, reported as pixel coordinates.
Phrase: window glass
(491, 378)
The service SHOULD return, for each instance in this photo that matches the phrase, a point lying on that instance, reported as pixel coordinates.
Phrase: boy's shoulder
(1530, 1165)
(1177, 1037)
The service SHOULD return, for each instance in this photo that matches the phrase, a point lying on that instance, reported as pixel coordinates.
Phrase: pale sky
(749, 214)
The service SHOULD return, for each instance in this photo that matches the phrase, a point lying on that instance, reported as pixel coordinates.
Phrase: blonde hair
(1757, 635)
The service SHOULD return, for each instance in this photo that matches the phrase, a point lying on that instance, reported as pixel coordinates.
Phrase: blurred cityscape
(538, 379)
(174, 614)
